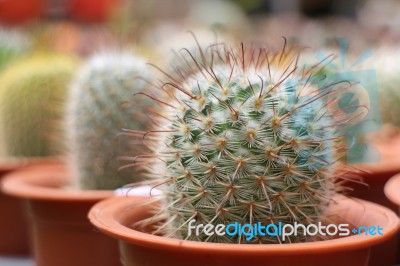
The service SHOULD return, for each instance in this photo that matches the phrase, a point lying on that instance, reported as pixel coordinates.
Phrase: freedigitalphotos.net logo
(357, 106)
(283, 231)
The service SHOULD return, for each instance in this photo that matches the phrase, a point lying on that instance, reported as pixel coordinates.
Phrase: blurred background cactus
(98, 109)
(245, 141)
(12, 45)
(31, 103)
(386, 63)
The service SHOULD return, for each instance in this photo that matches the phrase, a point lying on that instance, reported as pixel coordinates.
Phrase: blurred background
(154, 28)
(84, 26)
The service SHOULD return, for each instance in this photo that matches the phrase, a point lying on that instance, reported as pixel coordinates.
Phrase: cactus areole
(247, 139)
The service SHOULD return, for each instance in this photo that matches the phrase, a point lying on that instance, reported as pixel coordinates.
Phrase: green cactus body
(246, 140)
(98, 110)
(31, 103)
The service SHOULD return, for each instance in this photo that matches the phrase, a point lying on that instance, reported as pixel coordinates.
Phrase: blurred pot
(375, 176)
(13, 229)
(14, 236)
(62, 234)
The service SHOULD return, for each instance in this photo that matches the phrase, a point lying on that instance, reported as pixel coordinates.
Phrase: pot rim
(103, 217)
(392, 189)
(48, 182)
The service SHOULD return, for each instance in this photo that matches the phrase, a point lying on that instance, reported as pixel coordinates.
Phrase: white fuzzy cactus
(98, 109)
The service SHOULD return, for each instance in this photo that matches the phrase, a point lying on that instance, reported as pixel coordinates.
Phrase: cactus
(31, 100)
(248, 139)
(97, 111)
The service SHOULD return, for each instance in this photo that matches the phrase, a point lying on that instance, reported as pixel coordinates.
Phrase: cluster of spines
(246, 139)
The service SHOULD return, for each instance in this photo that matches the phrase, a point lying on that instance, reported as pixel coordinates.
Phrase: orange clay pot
(375, 177)
(392, 192)
(13, 225)
(116, 216)
(19, 11)
(93, 10)
(62, 234)
(14, 236)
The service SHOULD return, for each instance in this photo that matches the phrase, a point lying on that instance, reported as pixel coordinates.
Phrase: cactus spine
(31, 100)
(247, 139)
(98, 109)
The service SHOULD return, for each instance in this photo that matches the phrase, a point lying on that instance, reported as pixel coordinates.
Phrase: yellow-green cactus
(31, 104)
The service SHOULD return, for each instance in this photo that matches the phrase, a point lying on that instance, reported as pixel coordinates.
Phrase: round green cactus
(98, 109)
(248, 139)
(31, 103)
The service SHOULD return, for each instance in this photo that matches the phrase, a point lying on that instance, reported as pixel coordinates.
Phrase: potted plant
(26, 124)
(248, 141)
(59, 197)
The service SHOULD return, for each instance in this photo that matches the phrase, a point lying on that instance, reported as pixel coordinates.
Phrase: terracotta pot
(392, 190)
(93, 10)
(116, 216)
(62, 234)
(13, 229)
(19, 11)
(375, 176)
(14, 236)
